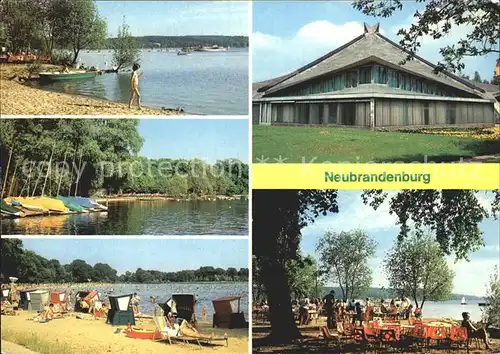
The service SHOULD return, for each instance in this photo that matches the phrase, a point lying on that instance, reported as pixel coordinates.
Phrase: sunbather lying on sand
(7, 308)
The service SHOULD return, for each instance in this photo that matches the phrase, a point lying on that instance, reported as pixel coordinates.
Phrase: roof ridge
(311, 64)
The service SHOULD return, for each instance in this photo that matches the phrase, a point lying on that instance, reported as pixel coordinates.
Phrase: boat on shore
(182, 52)
(72, 75)
(9, 210)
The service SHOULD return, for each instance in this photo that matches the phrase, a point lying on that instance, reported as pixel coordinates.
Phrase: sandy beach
(20, 99)
(88, 336)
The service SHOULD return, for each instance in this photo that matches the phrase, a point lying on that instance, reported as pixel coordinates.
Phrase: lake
(200, 83)
(452, 309)
(158, 217)
(206, 292)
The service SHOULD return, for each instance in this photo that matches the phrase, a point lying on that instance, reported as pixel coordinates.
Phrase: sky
(471, 278)
(207, 139)
(166, 255)
(176, 18)
(288, 35)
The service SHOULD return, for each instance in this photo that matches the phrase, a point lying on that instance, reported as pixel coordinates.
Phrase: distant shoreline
(155, 197)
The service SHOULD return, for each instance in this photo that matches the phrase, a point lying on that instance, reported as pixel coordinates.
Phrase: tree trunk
(75, 55)
(12, 180)
(283, 327)
(48, 170)
(7, 171)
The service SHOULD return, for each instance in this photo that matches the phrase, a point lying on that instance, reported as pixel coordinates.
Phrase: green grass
(350, 145)
(36, 343)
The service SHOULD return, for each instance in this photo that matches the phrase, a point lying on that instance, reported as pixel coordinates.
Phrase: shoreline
(21, 99)
(156, 197)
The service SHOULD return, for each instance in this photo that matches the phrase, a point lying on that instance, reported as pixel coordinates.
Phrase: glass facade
(378, 74)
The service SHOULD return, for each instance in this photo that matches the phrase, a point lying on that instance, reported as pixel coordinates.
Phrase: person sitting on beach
(474, 332)
(66, 70)
(134, 86)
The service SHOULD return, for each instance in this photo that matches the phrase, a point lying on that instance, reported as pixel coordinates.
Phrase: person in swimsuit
(134, 86)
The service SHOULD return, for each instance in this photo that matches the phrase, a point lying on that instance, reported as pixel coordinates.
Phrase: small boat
(16, 203)
(182, 52)
(72, 206)
(138, 333)
(482, 304)
(463, 302)
(8, 210)
(72, 75)
(214, 48)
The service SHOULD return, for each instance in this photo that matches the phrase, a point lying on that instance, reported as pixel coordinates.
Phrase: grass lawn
(350, 145)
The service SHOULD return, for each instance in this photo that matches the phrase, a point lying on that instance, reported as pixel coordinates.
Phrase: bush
(63, 57)
(35, 68)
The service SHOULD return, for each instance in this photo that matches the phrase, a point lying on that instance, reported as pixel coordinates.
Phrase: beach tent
(227, 313)
(38, 299)
(120, 311)
(86, 296)
(182, 305)
(25, 299)
(58, 297)
(5, 294)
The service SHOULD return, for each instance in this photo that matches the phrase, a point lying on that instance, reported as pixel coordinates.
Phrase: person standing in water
(134, 86)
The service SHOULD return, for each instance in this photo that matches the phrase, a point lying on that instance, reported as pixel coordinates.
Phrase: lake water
(200, 83)
(452, 309)
(159, 217)
(206, 292)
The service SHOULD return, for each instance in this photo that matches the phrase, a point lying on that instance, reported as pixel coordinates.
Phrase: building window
(451, 113)
(426, 113)
(352, 79)
(419, 85)
(407, 83)
(413, 84)
(338, 83)
(365, 75)
(380, 75)
(332, 113)
(425, 88)
(398, 79)
(393, 81)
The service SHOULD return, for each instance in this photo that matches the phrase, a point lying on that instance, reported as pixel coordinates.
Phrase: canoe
(90, 203)
(20, 202)
(6, 209)
(74, 75)
(137, 333)
(51, 204)
(71, 205)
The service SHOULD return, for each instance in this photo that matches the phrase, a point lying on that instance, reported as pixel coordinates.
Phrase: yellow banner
(376, 176)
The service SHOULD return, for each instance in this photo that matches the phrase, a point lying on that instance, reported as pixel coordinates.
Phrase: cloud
(274, 56)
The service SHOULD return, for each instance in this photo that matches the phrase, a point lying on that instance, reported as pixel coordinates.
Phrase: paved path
(12, 348)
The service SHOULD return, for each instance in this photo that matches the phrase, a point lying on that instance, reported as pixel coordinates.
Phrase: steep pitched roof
(369, 46)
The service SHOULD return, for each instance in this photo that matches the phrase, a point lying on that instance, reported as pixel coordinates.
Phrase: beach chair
(436, 333)
(186, 334)
(328, 336)
(459, 335)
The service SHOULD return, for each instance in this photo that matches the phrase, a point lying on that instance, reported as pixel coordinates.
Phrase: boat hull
(68, 76)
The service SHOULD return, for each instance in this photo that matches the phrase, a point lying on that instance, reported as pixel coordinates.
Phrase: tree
(344, 259)
(81, 271)
(416, 267)
(453, 216)
(20, 25)
(492, 311)
(278, 218)
(125, 47)
(104, 273)
(80, 26)
(477, 77)
(438, 19)
(303, 277)
(176, 186)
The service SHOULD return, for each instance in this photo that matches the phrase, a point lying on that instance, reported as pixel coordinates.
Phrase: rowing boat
(8, 210)
(73, 75)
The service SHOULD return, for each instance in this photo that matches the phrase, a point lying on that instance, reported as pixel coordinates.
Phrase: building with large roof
(364, 84)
